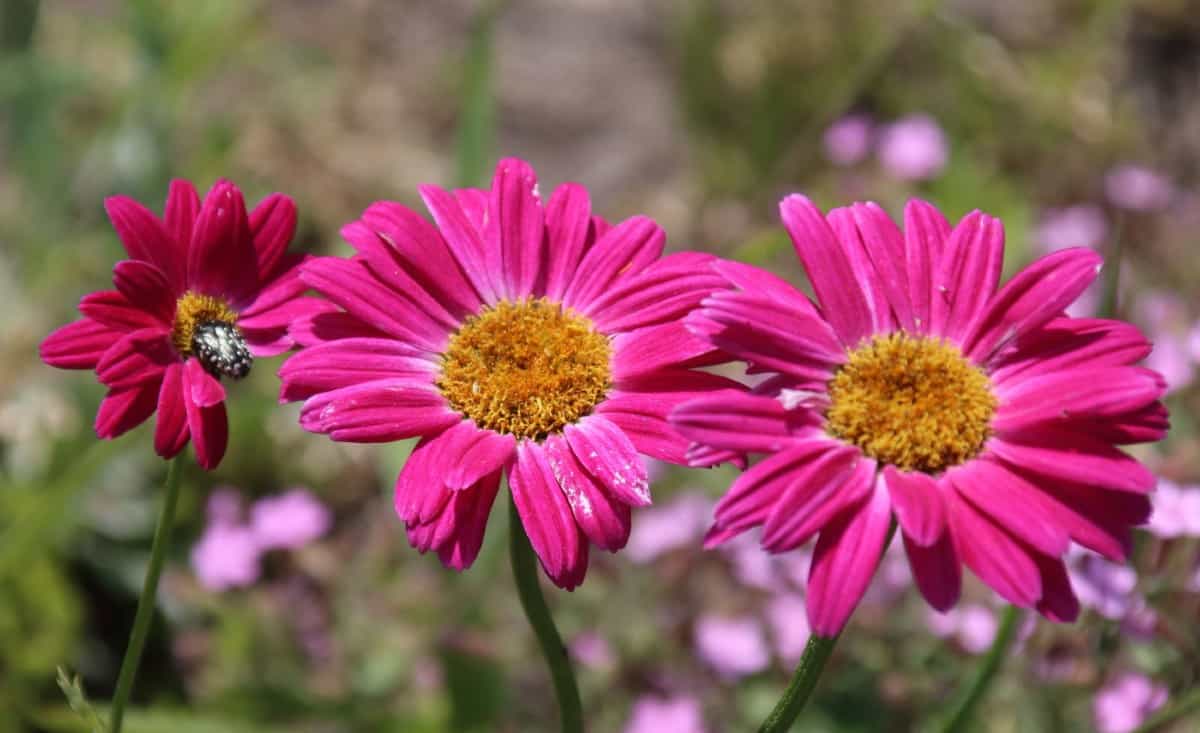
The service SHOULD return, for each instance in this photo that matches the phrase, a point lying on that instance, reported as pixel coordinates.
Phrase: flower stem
(970, 696)
(525, 572)
(816, 653)
(145, 609)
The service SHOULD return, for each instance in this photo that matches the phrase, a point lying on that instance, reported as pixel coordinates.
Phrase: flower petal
(1072, 456)
(146, 288)
(819, 491)
(918, 503)
(743, 422)
(469, 453)
(272, 226)
(124, 409)
(136, 357)
(378, 412)
(624, 251)
(202, 388)
(609, 456)
(179, 216)
(829, 270)
(1068, 343)
(655, 347)
(1058, 602)
(936, 570)
(514, 233)
(993, 555)
(1014, 505)
(111, 309)
(662, 293)
(844, 561)
(171, 427)
(546, 516)
(866, 278)
(1104, 393)
(462, 237)
(1037, 294)
(77, 345)
(144, 236)
(457, 533)
(569, 232)
(420, 493)
(603, 518)
(222, 261)
(207, 424)
(967, 275)
(925, 233)
(350, 361)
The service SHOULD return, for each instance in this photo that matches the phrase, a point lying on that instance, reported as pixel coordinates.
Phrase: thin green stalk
(477, 115)
(808, 671)
(1180, 708)
(525, 572)
(1110, 298)
(970, 696)
(145, 609)
(816, 653)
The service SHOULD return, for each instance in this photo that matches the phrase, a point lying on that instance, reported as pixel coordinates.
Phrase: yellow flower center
(911, 401)
(527, 368)
(193, 310)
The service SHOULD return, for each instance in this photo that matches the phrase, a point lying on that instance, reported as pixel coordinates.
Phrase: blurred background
(291, 600)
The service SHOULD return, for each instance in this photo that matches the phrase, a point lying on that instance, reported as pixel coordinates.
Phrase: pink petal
(1037, 294)
(171, 428)
(753, 495)
(662, 293)
(348, 362)
(378, 412)
(1089, 393)
(515, 229)
(1058, 602)
(604, 519)
(468, 453)
(925, 234)
(993, 555)
(383, 262)
(1146, 425)
(546, 516)
(936, 570)
(885, 246)
(819, 491)
(766, 285)
(272, 226)
(179, 215)
(418, 248)
(135, 358)
(623, 251)
(330, 324)
(202, 388)
(918, 503)
(1012, 504)
(829, 270)
(207, 424)
(349, 284)
(608, 455)
(866, 278)
(145, 238)
(569, 232)
(742, 422)
(1068, 343)
(1096, 519)
(421, 493)
(146, 288)
(222, 261)
(649, 432)
(110, 308)
(462, 237)
(845, 558)
(77, 345)
(124, 409)
(283, 287)
(655, 347)
(457, 533)
(967, 275)
(1076, 457)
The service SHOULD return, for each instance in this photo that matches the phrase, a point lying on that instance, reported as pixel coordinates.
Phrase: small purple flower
(1105, 587)
(288, 521)
(788, 620)
(1176, 510)
(1171, 359)
(677, 714)
(1125, 702)
(733, 647)
(661, 529)
(226, 557)
(977, 628)
(1138, 188)
(913, 148)
(224, 505)
(592, 650)
(1081, 225)
(848, 140)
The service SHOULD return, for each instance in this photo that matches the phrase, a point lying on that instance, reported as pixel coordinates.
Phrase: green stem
(145, 609)
(1110, 297)
(970, 696)
(816, 653)
(1180, 708)
(477, 116)
(525, 572)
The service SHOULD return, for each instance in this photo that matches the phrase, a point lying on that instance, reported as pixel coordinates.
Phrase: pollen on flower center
(527, 368)
(206, 327)
(912, 402)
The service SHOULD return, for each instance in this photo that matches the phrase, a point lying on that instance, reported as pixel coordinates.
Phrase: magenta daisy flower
(512, 337)
(204, 291)
(980, 417)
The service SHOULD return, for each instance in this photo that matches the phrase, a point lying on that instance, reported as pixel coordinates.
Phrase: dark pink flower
(205, 289)
(980, 417)
(513, 336)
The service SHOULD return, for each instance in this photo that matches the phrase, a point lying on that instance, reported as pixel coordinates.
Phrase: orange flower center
(206, 327)
(528, 368)
(911, 401)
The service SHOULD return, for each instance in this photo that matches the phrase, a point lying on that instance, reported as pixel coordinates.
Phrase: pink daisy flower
(980, 417)
(513, 337)
(204, 291)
